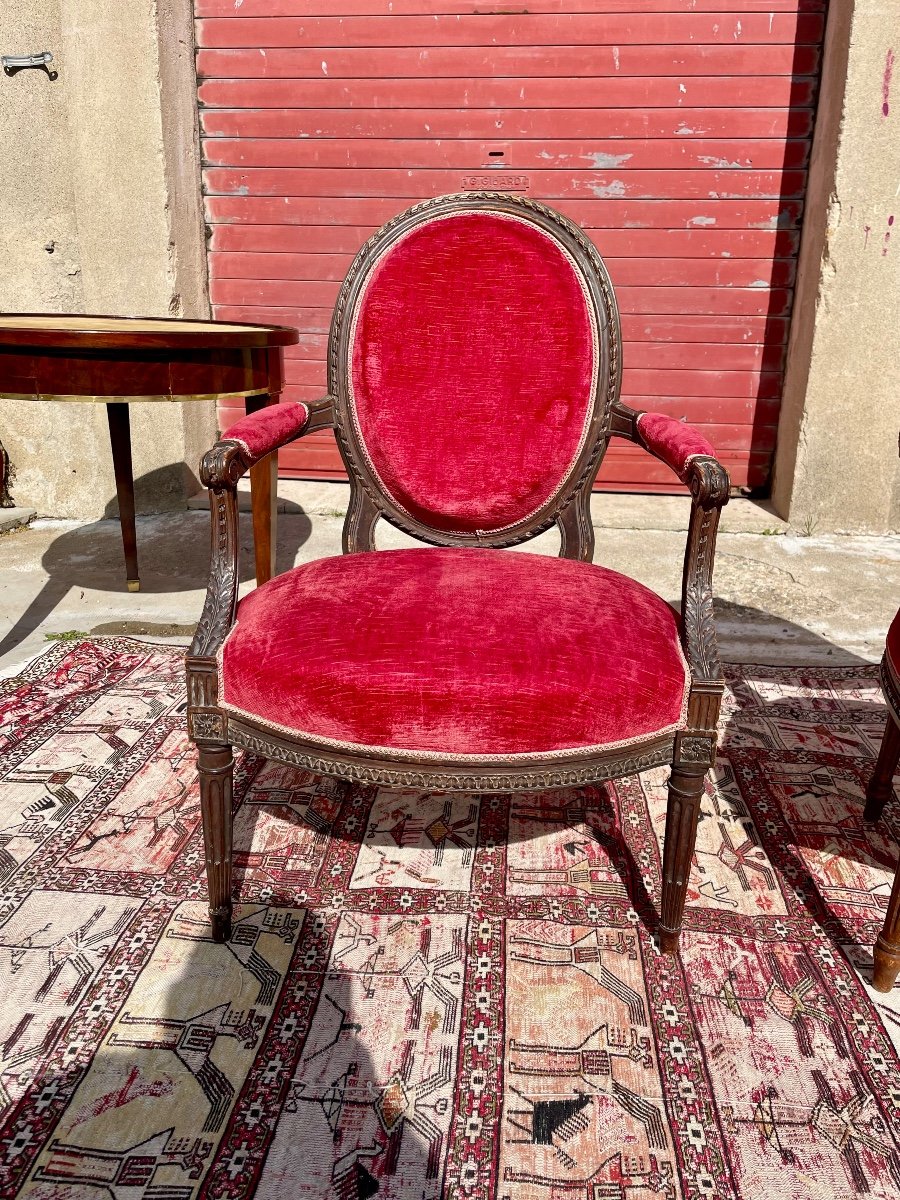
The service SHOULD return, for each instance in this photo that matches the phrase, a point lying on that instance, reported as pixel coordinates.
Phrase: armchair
(474, 375)
(886, 952)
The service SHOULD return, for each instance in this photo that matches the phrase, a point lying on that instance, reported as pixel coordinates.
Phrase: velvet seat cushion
(459, 653)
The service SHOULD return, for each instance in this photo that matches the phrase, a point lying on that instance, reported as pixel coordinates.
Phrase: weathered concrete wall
(100, 211)
(38, 236)
(837, 465)
(110, 174)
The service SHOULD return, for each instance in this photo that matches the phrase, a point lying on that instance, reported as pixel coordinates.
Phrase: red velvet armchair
(474, 377)
(886, 952)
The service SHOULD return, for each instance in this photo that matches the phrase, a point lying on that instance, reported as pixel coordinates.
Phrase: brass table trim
(39, 396)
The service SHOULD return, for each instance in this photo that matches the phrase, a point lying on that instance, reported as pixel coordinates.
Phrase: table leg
(264, 501)
(6, 500)
(120, 441)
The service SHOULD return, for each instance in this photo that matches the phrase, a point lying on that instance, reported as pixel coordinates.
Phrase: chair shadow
(178, 1053)
(173, 556)
(782, 266)
(822, 816)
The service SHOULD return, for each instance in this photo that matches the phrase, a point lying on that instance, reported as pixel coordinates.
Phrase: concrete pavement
(783, 596)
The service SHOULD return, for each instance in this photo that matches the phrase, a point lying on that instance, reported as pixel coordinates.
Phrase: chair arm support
(693, 460)
(258, 434)
(698, 629)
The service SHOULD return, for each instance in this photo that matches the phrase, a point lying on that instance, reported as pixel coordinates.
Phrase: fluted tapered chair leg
(887, 947)
(682, 814)
(881, 784)
(216, 770)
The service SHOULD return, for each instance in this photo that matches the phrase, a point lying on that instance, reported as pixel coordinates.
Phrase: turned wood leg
(682, 812)
(120, 441)
(887, 947)
(882, 782)
(264, 502)
(216, 767)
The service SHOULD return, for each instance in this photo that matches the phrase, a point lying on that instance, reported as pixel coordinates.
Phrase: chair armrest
(243, 444)
(672, 442)
(694, 461)
(684, 449)
(259, 433)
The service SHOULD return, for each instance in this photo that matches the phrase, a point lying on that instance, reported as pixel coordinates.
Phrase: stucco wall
(95, 168)
(837, 465)
(100, 210)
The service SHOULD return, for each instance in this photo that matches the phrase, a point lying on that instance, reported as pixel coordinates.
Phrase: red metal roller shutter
(675, 133)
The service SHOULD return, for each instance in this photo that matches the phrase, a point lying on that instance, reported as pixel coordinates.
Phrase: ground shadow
(163, 1074)
(780, 271)
(822, 752)
(173, 552)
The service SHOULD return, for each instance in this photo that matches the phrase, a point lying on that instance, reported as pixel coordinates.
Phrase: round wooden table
(117, 360)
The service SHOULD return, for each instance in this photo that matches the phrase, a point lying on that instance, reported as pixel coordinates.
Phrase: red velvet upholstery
(672, 441)
(268, 428)
(892, 648)
(457, 652)
(473, 370)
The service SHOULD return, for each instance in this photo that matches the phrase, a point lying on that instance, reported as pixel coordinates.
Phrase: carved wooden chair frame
(690, 751)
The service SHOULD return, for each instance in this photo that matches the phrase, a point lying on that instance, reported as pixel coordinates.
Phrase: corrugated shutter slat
(676, 133)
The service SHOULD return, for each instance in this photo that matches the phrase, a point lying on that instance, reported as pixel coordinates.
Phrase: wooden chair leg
(887, 947)
(882, 782)
(682, 813)
(216, 770)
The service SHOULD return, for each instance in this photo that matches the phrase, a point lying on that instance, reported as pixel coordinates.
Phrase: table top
(76, 332)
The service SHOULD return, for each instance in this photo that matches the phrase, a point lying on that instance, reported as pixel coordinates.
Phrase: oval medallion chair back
(474, 361)
(474, 374)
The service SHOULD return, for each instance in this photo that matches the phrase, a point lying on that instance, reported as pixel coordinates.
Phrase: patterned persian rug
(433, 996)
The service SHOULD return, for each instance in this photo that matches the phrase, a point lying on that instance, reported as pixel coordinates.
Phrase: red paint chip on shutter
(676, 132)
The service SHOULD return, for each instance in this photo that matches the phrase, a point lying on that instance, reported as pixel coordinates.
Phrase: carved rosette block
(697, 748)
(207, 726)
(206, 722)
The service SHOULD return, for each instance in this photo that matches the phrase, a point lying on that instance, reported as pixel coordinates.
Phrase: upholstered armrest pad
(263, 431)
(672, 441)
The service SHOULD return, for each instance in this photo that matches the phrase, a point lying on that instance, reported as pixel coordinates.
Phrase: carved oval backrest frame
(569, 505)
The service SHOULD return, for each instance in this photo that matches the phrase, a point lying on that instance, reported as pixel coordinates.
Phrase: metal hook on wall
(12, 63)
